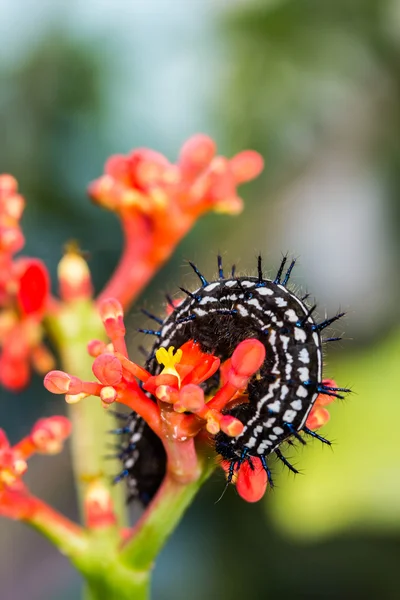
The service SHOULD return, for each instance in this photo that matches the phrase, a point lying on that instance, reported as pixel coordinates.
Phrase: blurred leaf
(357, 485)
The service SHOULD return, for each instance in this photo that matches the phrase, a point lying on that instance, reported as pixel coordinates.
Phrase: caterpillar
(219, 315)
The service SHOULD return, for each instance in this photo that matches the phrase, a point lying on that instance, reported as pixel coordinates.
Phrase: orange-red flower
(46, 437)
(24, 294)
(158, 202)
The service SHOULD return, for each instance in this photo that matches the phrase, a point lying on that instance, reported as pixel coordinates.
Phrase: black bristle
(280, 270)
(285, 461)
(170, 301)
(186, 319)
(327, 322)
(288, 273)
(310, 311)
(185, 291)
(203, 280)
(259, 269)
(151, 316)
(316, 436)
(220, 268)
(150, 332)
(267, 470)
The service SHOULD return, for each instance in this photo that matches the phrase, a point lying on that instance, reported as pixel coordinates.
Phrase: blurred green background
(314, 85)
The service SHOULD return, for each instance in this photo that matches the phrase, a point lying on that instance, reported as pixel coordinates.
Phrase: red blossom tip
(8, 185)
(74, 277)
(246, 165)
(251, 481)
(108, 395)
(108, 369)
(317, 418)
(245, 362)
(191, 399)
(96, 347)
(231, 426)
(99, 507)
(34, 286)
(196, 154)
(112, 315)
(48, 435)
(57, 382)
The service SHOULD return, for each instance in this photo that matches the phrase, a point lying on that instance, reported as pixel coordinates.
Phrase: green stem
(161, 518)
(71, 329)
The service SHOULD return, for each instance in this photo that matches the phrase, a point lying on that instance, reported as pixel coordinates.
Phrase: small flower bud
(191, 399)
(108, 395)
(246, 165)
(317, 418)
(99, 506)
(231, 426)
(96, 347)
(108, 369)
(74, 277)
(111, 313)
(57, 382)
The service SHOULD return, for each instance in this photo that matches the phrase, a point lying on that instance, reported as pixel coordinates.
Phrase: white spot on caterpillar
(129, 463)
(300, 335)
(302, 392)
(281, 302)
(255, 302)
(208, 300)
(165, 329)
(275, 406)
(231, 283)
(242, 310)
(304, 355)
(285, 342)
(296, 404)
(273, 437)
(291, 315)
(304, 373)
(251, 443)
(264, 291)
(212, 286)
(270, 422)
(200, 312)
(289, 416)
(248, 283)
(135, 437)
(232, 297)
(258, 429)
(278, 430)
(284, 392)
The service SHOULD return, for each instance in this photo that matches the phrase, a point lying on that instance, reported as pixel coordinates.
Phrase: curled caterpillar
(219, 315)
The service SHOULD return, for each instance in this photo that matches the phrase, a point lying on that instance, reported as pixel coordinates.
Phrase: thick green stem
(71, 329)
(161, 518)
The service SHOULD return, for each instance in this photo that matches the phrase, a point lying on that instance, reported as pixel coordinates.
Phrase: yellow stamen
(169, 359)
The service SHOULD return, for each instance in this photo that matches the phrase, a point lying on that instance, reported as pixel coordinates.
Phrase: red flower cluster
(24, 293)
(158, 202)
(47, 437)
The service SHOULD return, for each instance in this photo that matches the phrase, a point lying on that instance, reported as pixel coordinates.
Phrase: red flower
(46, 437)
(159, 202)
(24, 294)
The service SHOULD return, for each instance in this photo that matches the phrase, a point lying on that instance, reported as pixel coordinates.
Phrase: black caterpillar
(219, 315)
